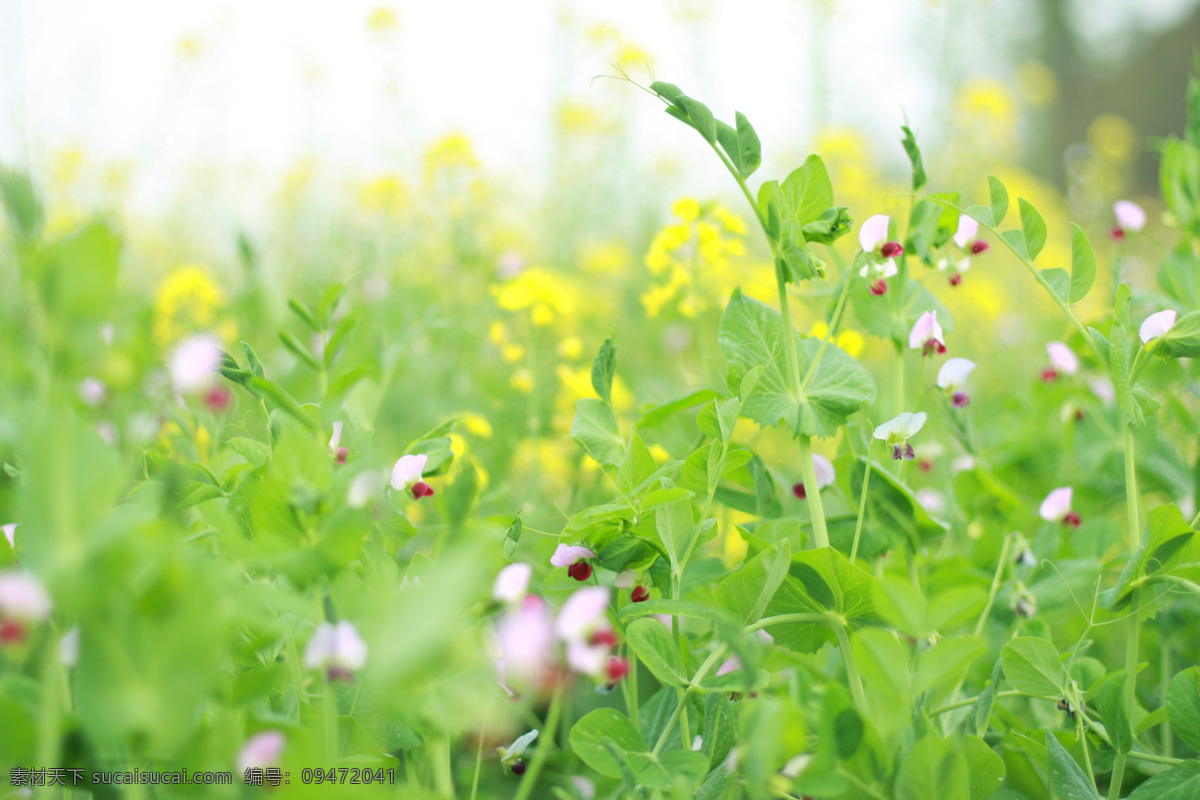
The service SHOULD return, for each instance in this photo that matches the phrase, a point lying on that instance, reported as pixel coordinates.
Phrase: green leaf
(933, 768)
(1083, 264)
(652, 642)
(596, 520)
(1059, 281)
(636, 467)
(1067, 778)
(595, 428)
(79, 273)
(807, 191)
(986, 768)
(1110, 704)
(1031, 665)
(1179, 783)
(296, 348)
(253, 361)
(747, 592)
(983, 214)
(675, 525)
(947, 661)
(596, 729)
(604, 367)
(833, 224)
(1169, 541)
(914, 156)
(999, 199)
(750, 337)
(1118, 356)
(1183, 706)
(661, 413)
(1034, 228)
(741, 145)
(1183, 340)
(1016, 240)
(305, 314)
(26, 215)
(512, 537)
(282, 400)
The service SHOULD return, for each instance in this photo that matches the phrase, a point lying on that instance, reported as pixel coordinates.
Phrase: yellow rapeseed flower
(382, 21)
(186, 300)
(477, 425)
(546, 294)
(522, 380)
(570, 348)
(385, 194)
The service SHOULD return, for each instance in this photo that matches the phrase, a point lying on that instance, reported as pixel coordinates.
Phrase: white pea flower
(926, 335)
(194, 364)
(896, 433)
(511, 583)
(1062, 358)
(951, 378)
(406, 476)
(337, 649)
(1131, 217)
(261, 751)
(1057, 507)
(1156, 325)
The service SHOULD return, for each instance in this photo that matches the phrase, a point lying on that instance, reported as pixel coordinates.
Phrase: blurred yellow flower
(661, 456)
(570, 348)
(451, 153)
(522, 380)
(849, 340)
(383, 20)
(186, 300)
(574, 384)
(686, 208)
(546, 294)
(697, 253)
(512, 353)
(605, 258)
(386, 194)
(477, 425)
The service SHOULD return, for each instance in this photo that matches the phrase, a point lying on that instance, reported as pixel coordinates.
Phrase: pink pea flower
(338, 650)
(926, 335)
(194, 364)
(574, 557)
(525, 636)
(968, 227)
(261, 751)
(1131, 218)
(406, 476)
(951, 378)
(1062, 358)
(23, 602)
(1156, 325)
(1057, 508)
(511, 583)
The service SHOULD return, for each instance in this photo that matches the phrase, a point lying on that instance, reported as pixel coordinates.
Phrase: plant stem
(971, 700)
(852, 676)
(1083, 744)
(995, 587)
(529, 779)
(478, 765)
(1131, 638)
(712, 659)
(632, 701)
(294, 666)
(898, 381)
(862, 506)
(329, 718)
(812, 492)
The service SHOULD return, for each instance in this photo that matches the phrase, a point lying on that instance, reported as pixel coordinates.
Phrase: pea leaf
(1034, 228)
(1110, 704)
(1031, 665)
(603, 369)
(1083, 264)
(1180, 783)
(1067, 778)
(932, 768)
(1183, 340)
(807, 190)
(909, 142)
(1118, 356)
(985, 768)
(746, 593)
(653, 644)
(595, 428)
(999, 199)
(750, 337)
(1183, 706)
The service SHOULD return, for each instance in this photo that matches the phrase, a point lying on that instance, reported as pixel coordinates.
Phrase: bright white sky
(281, 78)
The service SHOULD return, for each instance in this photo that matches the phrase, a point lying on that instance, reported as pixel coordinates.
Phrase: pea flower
(92, 391)
(955, 268)
(1062, 361)
(217, 399)
(825, 475)
(1131, 218)
(339, 452)
(10, 533)
(872, 237)
(1156, 325)
(525, 637)
(1057, 508)
(338, 650)
(878, 275)
(23, 602)
(406, 476)
(261, 751)
(194, 364)
(574, 557)
(896, 432)
(926, 335)
(628, 579)
(511, 583)
(511, 756)
(951, 378)
(582, 624)
(967, 228)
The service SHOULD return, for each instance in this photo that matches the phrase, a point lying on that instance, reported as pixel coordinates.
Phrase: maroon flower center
(979, 247)
(421, 489)
(217, 399)
(618, 667)
(518, 768)
(605, 637)
(798, 490)
(1117, 233)
(640, 594)
(926, 465)
(960, 399)
(903, 451)
(1049, 375)
(891, 249)
(955, 279)
(11, 632)
(1072, 519)
(933, 346)
(342, 453)
(580, 570)
(879, 288)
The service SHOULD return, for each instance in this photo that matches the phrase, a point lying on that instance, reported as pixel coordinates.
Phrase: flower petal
(873, 232)
(512, 582)
(582, 614)
(1056, 505)
(925, 328)
(408, 471)
(967, 228)
(954, 372)
(1063, 358)
(824, 470)
(901, 427)
(567, 554)
(1156, 325)
(1130, 216)
(194, 364)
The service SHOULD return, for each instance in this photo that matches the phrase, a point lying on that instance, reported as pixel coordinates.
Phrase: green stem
(852, 676)
(529, 779)
(1131, 638)
(862, 506)
(632, 701)
(972, 700)
(995, 587)
(478, 765)
(329, 718)
(296, 669)
(1083, 745)
(898, 381)
(712, 659)
(812, 492)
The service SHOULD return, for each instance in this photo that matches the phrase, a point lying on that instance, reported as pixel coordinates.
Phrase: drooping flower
(896, 433)
(616, 668)
(1156, 325)
(336, 649)
(825, 475)
(525, 637)
(951, 378)
(217, 399)
(956, 268)
(1131, 218)
(1057, 507)
(261, 751)
(510, 756)
(1062, 359)
(23, 602)
(926, 335)
(583, 614)
(967, 228)
(406, 476)
(873, 233)
(194, 364)
(511, 583)
(979, 247)
(878, 274)
(575, 558)
(626, 579)
(340, 453)
(881, 253)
